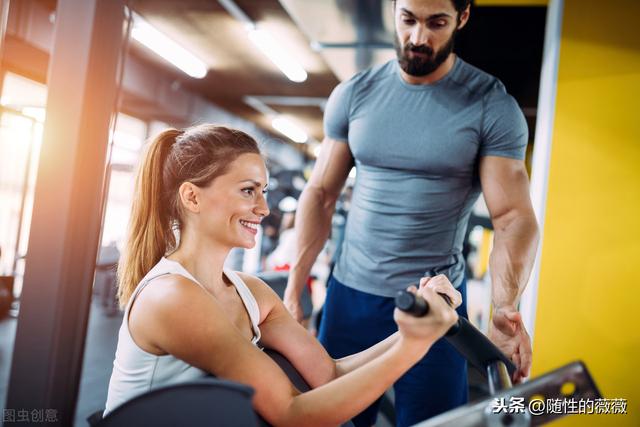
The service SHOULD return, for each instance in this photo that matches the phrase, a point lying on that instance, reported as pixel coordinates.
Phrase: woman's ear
(189, 197)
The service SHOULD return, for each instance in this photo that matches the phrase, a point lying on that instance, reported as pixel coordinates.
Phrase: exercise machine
(572, 381)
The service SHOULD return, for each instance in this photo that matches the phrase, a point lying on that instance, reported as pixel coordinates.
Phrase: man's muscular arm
(313, 218)
(505, 185)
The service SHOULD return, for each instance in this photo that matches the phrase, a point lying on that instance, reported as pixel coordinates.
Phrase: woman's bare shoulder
(167, 291)
(168, 304)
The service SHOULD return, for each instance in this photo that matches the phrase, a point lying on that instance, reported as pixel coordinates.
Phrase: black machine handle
(472, 344)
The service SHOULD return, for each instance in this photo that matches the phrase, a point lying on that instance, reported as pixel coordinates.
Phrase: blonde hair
(198, 155)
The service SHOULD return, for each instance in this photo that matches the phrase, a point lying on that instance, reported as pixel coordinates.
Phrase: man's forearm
(313, 226)
(512, 257)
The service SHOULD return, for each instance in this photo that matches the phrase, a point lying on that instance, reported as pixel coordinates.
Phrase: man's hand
(507, 331)
(293, 304)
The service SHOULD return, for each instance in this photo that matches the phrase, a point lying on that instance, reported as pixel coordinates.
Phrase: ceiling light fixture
(289, 129)
(166, 48)
(267, 44)
(274, 51)
(279, 122)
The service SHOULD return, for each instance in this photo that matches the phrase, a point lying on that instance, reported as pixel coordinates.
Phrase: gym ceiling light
(267, 44)
(166, 48)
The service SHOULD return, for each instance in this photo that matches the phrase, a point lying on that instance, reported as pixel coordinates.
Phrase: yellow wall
(589, 291)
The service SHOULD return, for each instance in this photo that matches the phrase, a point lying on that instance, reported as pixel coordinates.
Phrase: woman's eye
(248, 191)
(265, 191)
(408, 21)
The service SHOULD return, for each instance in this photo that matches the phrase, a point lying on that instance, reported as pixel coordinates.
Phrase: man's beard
(421, 66)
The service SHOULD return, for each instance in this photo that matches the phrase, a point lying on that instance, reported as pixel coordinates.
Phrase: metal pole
(65, 227)
(498, 377)
(23, 198)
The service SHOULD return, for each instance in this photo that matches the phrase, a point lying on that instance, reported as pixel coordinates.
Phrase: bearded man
(427, 133)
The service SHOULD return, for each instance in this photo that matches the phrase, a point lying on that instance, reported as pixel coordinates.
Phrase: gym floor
(100, 348)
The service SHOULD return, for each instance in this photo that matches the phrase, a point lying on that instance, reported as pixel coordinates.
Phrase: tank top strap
(249, 301)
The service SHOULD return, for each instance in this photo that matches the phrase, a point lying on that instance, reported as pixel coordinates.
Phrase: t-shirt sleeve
(504, 128)
(336, 112)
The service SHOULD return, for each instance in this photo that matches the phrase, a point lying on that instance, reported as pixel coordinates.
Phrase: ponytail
(150, 235)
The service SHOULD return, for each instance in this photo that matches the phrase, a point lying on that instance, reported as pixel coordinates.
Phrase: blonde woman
(186, 316)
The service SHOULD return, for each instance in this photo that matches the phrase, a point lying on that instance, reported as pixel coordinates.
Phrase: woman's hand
(442, 285)
(427, 329)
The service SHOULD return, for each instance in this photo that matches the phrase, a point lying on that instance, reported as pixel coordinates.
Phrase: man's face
(425, 34)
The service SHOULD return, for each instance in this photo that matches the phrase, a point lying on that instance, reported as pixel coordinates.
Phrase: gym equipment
(572, 381)
(196, 404)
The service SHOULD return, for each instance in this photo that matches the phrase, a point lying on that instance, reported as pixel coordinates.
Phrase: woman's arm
(439, 284)
(340, 400)
(183, 320)
(282, 333)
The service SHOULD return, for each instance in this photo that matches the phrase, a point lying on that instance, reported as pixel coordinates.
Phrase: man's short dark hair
(459, 5)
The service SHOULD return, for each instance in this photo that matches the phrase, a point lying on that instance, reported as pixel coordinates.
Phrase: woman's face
(232, 206)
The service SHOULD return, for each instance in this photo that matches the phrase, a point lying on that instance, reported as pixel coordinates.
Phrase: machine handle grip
(417, 306)
(472, 344)
(407, 302)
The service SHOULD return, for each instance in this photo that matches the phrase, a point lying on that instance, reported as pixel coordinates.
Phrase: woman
(187, 316)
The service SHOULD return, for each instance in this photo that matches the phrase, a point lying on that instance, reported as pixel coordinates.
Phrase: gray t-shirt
(416, 151)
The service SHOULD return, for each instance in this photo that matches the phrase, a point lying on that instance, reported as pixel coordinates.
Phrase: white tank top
(136, 371)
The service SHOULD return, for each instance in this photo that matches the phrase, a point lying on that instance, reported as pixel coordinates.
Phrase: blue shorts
(353, 321)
